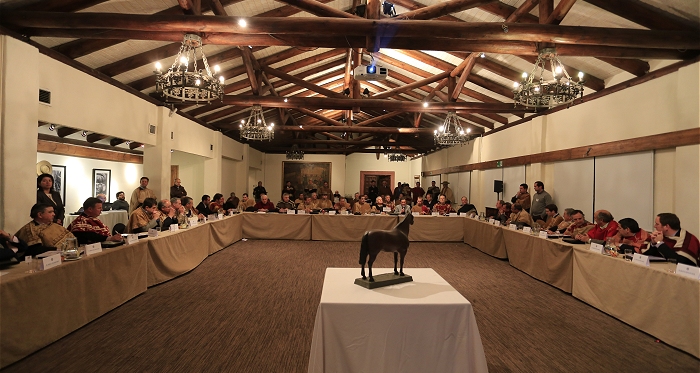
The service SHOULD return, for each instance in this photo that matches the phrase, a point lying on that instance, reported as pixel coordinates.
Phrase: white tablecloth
(420, 326)
(110, 218)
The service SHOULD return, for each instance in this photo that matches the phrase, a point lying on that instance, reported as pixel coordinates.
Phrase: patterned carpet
(251, 308)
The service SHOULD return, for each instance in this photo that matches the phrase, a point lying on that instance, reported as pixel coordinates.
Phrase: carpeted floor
(251, 308)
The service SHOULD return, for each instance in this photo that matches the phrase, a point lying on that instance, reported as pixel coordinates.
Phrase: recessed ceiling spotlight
(52, 127)
(84, 133)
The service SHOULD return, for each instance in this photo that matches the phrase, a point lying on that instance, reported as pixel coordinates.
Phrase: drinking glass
(628, 254)
(30, 264)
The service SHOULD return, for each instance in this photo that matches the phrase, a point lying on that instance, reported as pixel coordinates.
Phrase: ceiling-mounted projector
(371, 72)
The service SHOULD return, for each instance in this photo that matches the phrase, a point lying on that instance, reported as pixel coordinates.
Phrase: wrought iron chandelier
(295, 153)
(451, 132)
(536, 92)
(397, 157)
(256, 128)
(192, 86)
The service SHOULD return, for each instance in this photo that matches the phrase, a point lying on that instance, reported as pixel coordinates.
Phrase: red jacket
(598, 233)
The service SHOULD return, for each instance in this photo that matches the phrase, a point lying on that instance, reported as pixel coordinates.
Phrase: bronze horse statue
(395, 240)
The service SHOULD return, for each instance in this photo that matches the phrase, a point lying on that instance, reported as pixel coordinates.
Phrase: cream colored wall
(273, 182)
(666, 104)
(19, 89)
(191, 172)
(78, 100)
(78, 181)
(357, 162)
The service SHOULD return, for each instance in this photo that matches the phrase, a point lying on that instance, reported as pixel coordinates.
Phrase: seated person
(167, 215)
(120, 203)
(106, 206)
(579, 227)
(342, 205)
(145, 217)
(567, 220)
(285, 204)
(402, 208)
(307, 206)
(88, 229)
(466, 207)
(553, 218)
(264, 205)
(176, 205)
(299, 200)
(325, 203)
(442, 207)
(378, 207)
(217, 203)
(42, 234)
(362, 206)
(604, 227)
(203, 207)
(504, 212)
(354, 200)
(429, 202)
(336, 197)
(246, 204)
(190, 211)
(629, 233)
(388, 202)
(315, 201)
(232, 202)
(419, 207)
(672, 242)
(519, 217)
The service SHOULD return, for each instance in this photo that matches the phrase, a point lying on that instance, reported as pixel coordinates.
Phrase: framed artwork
(300, 173)
(101, 180)
(59, 181)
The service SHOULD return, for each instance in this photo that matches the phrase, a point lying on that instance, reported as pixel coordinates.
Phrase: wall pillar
(19, 101)
(212, 166)
(156, 159)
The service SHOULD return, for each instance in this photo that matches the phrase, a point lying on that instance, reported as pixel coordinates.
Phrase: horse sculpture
(395, 240)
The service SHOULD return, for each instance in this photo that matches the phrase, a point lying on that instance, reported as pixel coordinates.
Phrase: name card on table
(261, 212)
(600, 249)
(152, 232)
(93, 249)
(193, 221)
(435, 213)
(50, 262)
(527, 230)
(543, 234)
(513, 227)
(290, 212)
(173, 227)
(415, 213)
(346, 212)
(212, 217)
(497, 223)
(386, 209)
(640, 259)
(688, 271)
(220, 216)
(132, 238)
(331, 212)
(301, 212)
(492, 220)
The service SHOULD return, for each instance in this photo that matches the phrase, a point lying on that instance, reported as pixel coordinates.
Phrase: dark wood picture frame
(59, 181)
(101, 180)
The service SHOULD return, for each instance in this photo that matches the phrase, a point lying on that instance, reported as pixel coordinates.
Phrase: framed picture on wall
(101, 180)
(59, 181)
(305, 174)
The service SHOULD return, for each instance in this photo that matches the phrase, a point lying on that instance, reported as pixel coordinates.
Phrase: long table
(485, 237)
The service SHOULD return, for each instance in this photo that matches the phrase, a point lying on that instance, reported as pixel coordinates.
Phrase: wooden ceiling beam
(66, 131)
(560, 12)
(416, 84)
(301, 82)
(95, 137)
(523, 9)
(50, 5)
(645, 15)
(477, 31)
(320, 117)
(441, 9)
(115, 141)
(318, 9)
(470, 61)
(545, 9)
(354, 129)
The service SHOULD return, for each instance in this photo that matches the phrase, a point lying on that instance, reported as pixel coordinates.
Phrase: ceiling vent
(45, 97)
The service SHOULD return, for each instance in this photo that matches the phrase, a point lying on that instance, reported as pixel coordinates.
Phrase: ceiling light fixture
(294, 153)
(536, 92)
(256, 128)
(192, 86)
(451, 132)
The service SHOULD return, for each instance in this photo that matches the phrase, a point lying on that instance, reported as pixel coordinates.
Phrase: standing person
(120, 203)
(311, 187)
(447, 192)
(522, 197)
(325, 189)
(417, 192)
(384, 189)
(88, 229)
(434, 190)
(539, 201)
(397, 191)
(258, 190)
(289, 189)
(372, 191)
(177, 190)
(140, 194)
(46, 195)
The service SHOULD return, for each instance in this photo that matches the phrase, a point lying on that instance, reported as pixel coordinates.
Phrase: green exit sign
(499, 163)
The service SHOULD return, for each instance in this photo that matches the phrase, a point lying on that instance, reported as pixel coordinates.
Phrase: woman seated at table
(519, 217)
(378, 207)
(442, 207)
